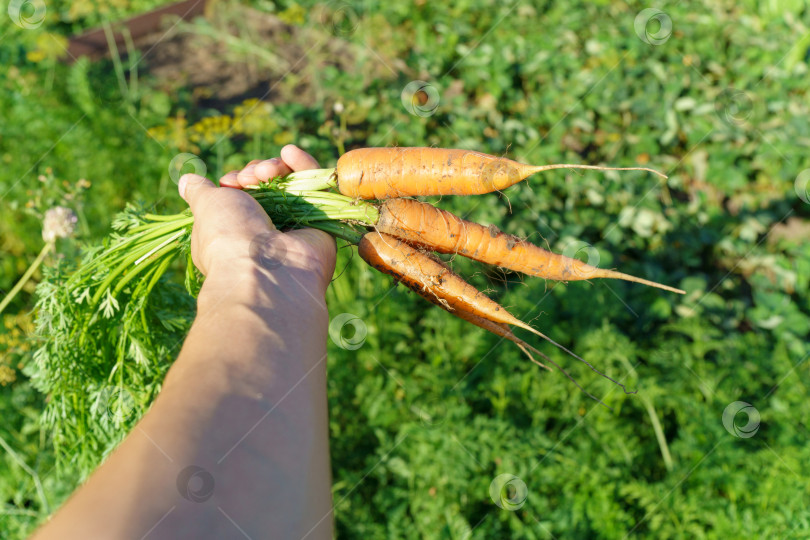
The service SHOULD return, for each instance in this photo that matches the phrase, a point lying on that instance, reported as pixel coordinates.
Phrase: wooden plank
(93, 43)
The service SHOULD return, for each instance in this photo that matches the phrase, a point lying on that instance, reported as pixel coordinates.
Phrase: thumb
(191, 186)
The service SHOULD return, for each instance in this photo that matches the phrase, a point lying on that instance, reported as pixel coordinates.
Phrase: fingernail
(185, 180)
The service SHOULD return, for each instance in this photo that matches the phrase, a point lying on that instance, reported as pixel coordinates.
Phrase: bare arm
(237, 442)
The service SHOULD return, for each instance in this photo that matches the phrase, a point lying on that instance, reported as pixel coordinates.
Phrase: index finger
(298, 160)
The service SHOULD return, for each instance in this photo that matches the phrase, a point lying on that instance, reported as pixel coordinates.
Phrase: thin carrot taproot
(371, 255)
(426, 226)
(503, 331)
(499, 329)
(435, 281)
(386, 173)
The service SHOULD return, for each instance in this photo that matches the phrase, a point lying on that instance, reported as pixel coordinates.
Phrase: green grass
(428, 412)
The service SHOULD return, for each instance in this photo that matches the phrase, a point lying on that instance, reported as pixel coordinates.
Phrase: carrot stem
(309, 180)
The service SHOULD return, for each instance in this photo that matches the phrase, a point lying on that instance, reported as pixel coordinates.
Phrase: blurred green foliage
(428, 412)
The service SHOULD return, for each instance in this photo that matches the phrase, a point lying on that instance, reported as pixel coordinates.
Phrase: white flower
(59, 222)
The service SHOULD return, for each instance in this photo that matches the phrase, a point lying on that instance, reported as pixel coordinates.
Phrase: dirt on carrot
(424, 225)
(436, 282)
(386, 173)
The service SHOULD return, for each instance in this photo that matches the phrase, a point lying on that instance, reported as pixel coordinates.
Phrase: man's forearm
(231, 443)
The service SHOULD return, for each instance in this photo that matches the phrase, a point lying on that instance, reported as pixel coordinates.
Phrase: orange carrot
(418, 271)
(385, 173)
(440, 285)
(424, 225)
(499, 329)
(371, 255)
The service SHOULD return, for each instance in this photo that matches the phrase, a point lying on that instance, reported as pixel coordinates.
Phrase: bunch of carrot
(108, 325)
(373, 208)
(404, 231)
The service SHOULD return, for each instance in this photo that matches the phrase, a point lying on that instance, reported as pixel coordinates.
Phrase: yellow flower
(282, 138)
(49, 46)
(79, 9)
(174, 133)
(254, 117)
(35, 56)
(211, 129)
(295, 14)
(7, 375)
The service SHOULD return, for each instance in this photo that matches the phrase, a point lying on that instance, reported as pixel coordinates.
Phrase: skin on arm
(236, 444)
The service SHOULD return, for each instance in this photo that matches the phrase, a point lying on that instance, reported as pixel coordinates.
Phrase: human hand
(257, 345)
(232, 234)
